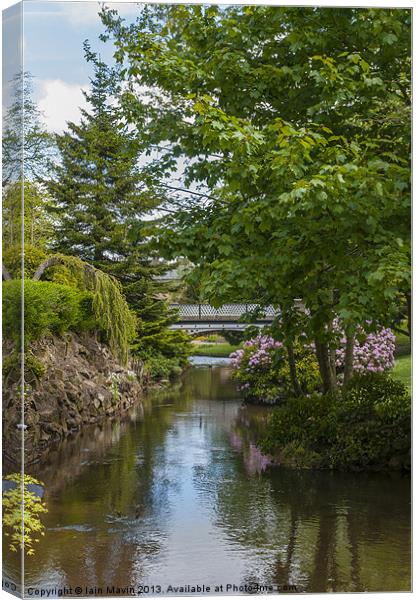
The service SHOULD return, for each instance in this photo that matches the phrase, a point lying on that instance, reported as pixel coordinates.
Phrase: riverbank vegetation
(362, 425)
(368, 426)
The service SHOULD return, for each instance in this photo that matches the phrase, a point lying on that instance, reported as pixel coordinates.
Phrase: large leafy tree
(297, 120)
(101, 196)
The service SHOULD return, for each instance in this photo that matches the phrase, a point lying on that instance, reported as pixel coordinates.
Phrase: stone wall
(69, 381)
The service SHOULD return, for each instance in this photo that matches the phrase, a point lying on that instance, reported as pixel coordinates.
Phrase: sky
(53, 34)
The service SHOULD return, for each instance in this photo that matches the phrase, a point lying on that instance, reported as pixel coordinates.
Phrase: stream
(177, 494)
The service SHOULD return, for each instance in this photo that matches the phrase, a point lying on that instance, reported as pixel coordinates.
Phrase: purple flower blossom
(375, 353)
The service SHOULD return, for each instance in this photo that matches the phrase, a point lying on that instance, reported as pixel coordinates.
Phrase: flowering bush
(262, 369)
(256, 366)
(373, 353)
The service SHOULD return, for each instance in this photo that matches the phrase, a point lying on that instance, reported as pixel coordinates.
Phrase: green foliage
(374, 428)
(33, 366)
(49, 309)
(21, 511)
(403, 345)
(114, 386)
(158, 366)
(307, 370)
(234, 337)
(52, 308)
(262, 369)
(153, 337)
(101, 194)
(37, 223)
(102, 197)
(110, 309)
(112, 313)
(11, 363)
(368, 427)
(34, 256)
(12, 259)
(25, 138)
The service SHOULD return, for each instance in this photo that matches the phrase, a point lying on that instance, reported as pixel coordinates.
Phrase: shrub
(34, 257)
(49, 309)
(159, 367)
(55, 308)
(261, 366)
(368, 427)
(374, 424)
(170, 343)
(303, 421)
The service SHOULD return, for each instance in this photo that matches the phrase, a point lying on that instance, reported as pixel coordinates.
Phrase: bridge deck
(228, 312)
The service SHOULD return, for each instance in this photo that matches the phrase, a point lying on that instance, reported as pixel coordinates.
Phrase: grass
(402, 370)
(218, 350)
(403, 366)
(403, 345)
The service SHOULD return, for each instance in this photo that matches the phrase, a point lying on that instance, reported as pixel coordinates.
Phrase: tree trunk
(324, 366)
(333, 369)
(348, 361)
(409, 312)
(56, 260)
(6, 275)
(49, 262)
(292, 367)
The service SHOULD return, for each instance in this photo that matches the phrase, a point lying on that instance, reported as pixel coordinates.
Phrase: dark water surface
(177, 494)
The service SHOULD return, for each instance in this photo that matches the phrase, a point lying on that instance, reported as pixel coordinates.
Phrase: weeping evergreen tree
(101, 196)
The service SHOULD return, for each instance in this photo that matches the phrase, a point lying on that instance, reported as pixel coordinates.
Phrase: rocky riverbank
(69, 381)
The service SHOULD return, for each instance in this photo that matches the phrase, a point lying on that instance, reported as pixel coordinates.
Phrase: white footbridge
(204, 317)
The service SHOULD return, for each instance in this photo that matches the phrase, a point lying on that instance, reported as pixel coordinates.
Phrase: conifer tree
(27, 147)
(101, 196)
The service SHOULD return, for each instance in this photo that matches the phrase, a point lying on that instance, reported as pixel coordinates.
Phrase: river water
(177, 494)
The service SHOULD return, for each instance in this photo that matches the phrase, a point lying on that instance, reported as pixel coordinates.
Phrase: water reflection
(177, 493)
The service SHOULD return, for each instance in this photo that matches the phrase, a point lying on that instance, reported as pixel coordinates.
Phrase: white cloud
(82, 13)
(60, 102)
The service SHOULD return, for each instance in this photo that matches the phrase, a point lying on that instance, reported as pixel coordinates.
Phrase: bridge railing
(199, 312)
